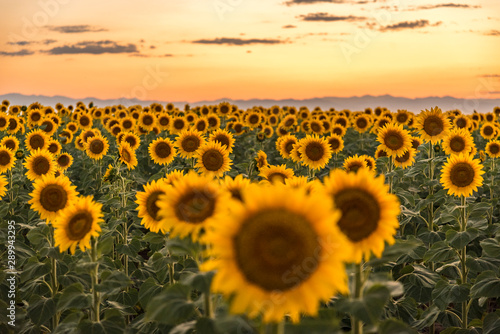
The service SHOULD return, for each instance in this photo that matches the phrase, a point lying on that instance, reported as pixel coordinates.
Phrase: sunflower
(338, 130)
(354, 163)
(128, 123)
(64, 161)
(39, 163)
(77, 223)
(336, 143)
(273, 252)
(238, 127)
(191, 205)
(284, 145)
(433, 125)
(188, 141)
(213, 121)
(132, 139)
(369, 212)
(289, 121)
(489, 130)
(3, 186)
(315, 152)
(213, 159)
(51, 195)
(493, 148)
(162, 151)
(34, 117)
(276, 174)
(127, 155)
(54, 147)
(407, 159)
(201, 124)
(147, 121)
(261, 160)
(316, 126)
(174, 176)
(7, 160)
(97, 147)
(416, 142)
(394, 139)
(14, 125)
(461, 175)
(4, 121)
(253, 119)
(48, 126)
(85, 121)
(10, 142)
(147, 207)
(235, 186)
(36, 139)
(224, 138)
(402, 117)
(362, 122)
(462, 122)
(370, 162)
(163, 120)
(458, 141)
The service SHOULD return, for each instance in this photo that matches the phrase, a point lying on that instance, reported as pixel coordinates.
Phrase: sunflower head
(162, 151)
(147, 207)
(40, 163)
(7, 160)
(354, 163)
(462, 175)
(213, 159)
(315, 151)
(276, 174)
(394, 139)
(493, 148)
(188, 142)
(433, 125)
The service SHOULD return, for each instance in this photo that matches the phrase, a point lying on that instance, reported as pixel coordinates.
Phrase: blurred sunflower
(369, 212)
(284, 145)
(128, 123)
(462, 122)
(201, 124)
(133, 140)
(433, 125)
(402, 117)
(261, 160)
(394, 139)
(279, 244)
(315, 152)
(235, 186)
(127, 155)
(370, 162)
(85, 121)
(48, 126)
(458, 141)
(354, 163)
(253, 119)
(338, 130)
(407, 159)
(3, 186)
(192, 205)
(64, 161)
(336, 143)
(15, 125)
(461, 175)
(4, 121)
(34, 117)
(51, 195)
(276, 174)
(489, 130)
(188, 141)
(224, 137)
(316, 126)
(493, 148)
(178, 124)
(97, 147)
(10, 142)
(162, 151)
(164, 120)
(212, 159)
(213, 121)
(288, 122)
(36, 139)
(39, 163)
(147, 121)
(174, 176)
(77, 223)
(7, 160)
(416, 142)
(54, 147)
(147, 207)
(362, 122)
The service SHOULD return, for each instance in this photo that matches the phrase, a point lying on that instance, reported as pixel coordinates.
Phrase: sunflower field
(214, 219)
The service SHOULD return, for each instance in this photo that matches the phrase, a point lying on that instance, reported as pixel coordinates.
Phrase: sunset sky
(194, 50)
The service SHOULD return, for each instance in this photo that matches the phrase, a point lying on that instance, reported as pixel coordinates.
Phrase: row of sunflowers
(214, 219)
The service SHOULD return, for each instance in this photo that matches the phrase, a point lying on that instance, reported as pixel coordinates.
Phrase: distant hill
(353, 103)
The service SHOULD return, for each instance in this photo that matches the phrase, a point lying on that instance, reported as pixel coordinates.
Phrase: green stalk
(391, 177)
(356, 324)
(208, 304)
(491, 190)
(96, 302)
(54, 285)
(463, 257)
(430, 209)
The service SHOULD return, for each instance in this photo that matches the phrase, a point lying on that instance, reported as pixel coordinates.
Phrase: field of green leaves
(215, 219)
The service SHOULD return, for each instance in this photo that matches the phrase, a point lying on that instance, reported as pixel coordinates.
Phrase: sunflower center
(195, 206)
(253, 119)
(201, 126)
(238, 128)
(41, 166)
(334, 143)
(289, 122)
(190, 143)
(37, 141)
(84, 121)
(461, 123)
(163, 121)
(147, 120)
(354, 166)
(178, 124)
(3, 122)
(360, 213)
(462, 174)
(271, 245)
(315, 127)
(236, 194)
(488, 130)
(53, 148)
(224, 109)
(494, 148)
(127, 124)
(289, 146)
(337, 131)
(10, 144)
(151, 206)
(405, 157)
(457, 144)
(276, 177)
(63, 160)
(132, 141)
(48, 126)
(163, 150)
(126, 155)
(53, 197)
(4, 158)
(361, 123)
(35, 117)
(212, 160)
(12, 124)
(393, 140)
(222, 139)
(79, 225)
(402, 118)
(433, 125)
(96, 146)
(314, 151)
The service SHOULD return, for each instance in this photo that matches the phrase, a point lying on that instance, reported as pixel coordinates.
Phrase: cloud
(75, 29)
(445, 5)
(409, 25)
(237, 41)
(93, 47)
(24, 43)
(492, 33)
(289, 26)
(307, 2)
(490, 76)
(23, 52)
(329, 18)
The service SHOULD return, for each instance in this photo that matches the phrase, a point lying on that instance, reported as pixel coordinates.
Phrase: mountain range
(353, 103)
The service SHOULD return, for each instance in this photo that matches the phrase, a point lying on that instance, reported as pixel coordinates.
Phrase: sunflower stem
(356, 324)
(96, 302)
(391, 177)
(492, 185)
(463, 258)
(430, 209)
(208, 304)
(54, 285)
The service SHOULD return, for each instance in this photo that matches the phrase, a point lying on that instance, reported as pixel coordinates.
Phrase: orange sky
(205, 50)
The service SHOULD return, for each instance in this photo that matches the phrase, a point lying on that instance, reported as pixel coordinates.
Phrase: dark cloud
(307, 2)
(492, 33)
(23, 52)
(93, 47)
(445, 5)
(409, 25)
(75, 29)
(24, 43)
(289, 26)
(237, 41)
(329, 18)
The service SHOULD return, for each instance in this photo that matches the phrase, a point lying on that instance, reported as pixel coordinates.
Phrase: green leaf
(370, 307)
(205, 326)
(445, 293)
(481, 264)
(148, 290)
(394, 326)
(112, 281)
(171, 306)
(42, 310)
(393, 252)
(491, 323)
(428, 317)
(73, 297)
(491, 247)
(459, 240)
(200, 281)
(439, 252)
(487, 285)
(103, 327)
